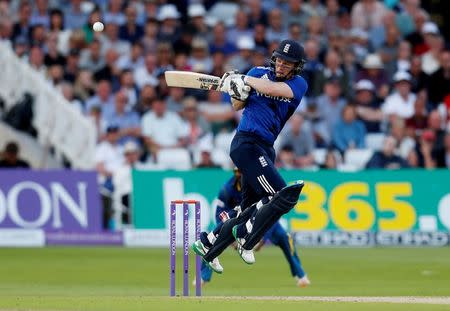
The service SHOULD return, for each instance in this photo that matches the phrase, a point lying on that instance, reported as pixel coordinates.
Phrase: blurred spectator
(72, 65)
(150, 38)
(206, 160)
(435, 125)
(122, 177)
(196, 13)
(84, 86)
(127, 84)
(241, 27)
(102, 98)
(430, 59)
(404, 143)
(92, 58)
(331, 18)
(56, 22)
(175, 132)
(298, 135)
(401, 101)
(36, 59)
(242, 61)
(164, 57)
(38, 35)
(256, 13)
(108, 157)
(405, 18)
(218, 113)
(313, 64)
(199, 59)
(315, 8)
(359, 40)
(134, 59)
(110, 40)
(40, 15)
(296, 32)
(348, 133)
(386, 159)
(443, 155)
(286, 157)
(74, 17)
(367, 14)
(168, 16)
(146, 96)
(184, 42)
(22, 27)
(113, 13)
(439, 81)
(259, 35)
(52, 55)
(401, 60)
(21, 48)
(296, 13)
(389, 50)
(218, 60)
(416, 38)
(373, 70)
(198, 127)
(377, 35)
(68, 93)
(329, 108)
(146, 74)
(419, 79)
(367, 107)
(109, 71)
(277, 25)
(175, 99)
(126, 120)
(94, 16)
(220, 42)
(130, 31)
(55, 74)
(6, 30)
(418, 121)
(424, 149)
(314, 30)
(10, 157)
(331, 160)
(332, 70)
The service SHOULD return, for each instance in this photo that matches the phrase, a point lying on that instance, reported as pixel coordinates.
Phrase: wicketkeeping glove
(238, 88)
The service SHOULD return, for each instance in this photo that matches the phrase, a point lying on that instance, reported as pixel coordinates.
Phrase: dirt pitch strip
(399, 299)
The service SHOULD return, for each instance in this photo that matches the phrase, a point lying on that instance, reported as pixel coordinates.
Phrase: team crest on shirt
(262, 161)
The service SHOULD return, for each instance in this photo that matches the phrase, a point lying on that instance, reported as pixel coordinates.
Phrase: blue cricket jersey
(266, 115)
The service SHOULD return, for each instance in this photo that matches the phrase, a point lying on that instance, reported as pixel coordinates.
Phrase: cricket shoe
(199, 248)
(215, 265)
(303, 282)
(247, 255)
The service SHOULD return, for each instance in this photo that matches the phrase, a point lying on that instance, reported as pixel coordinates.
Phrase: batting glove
(238, 88)
(224, 85)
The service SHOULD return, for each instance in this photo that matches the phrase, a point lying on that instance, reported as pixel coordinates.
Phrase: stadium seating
(356, 159)
(176, 159)
(375, 141)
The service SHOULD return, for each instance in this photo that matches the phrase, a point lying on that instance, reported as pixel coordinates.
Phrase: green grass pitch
(138, 279)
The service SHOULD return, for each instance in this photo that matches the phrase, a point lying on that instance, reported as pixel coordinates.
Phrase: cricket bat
(193, 80)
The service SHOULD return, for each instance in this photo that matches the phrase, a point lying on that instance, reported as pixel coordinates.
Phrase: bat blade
(194, 80)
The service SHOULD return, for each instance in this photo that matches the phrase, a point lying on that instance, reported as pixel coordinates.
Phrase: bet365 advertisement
(368, 201)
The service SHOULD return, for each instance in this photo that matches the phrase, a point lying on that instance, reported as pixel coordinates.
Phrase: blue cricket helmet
(290, 51)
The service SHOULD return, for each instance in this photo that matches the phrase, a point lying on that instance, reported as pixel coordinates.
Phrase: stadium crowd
(374, 67)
